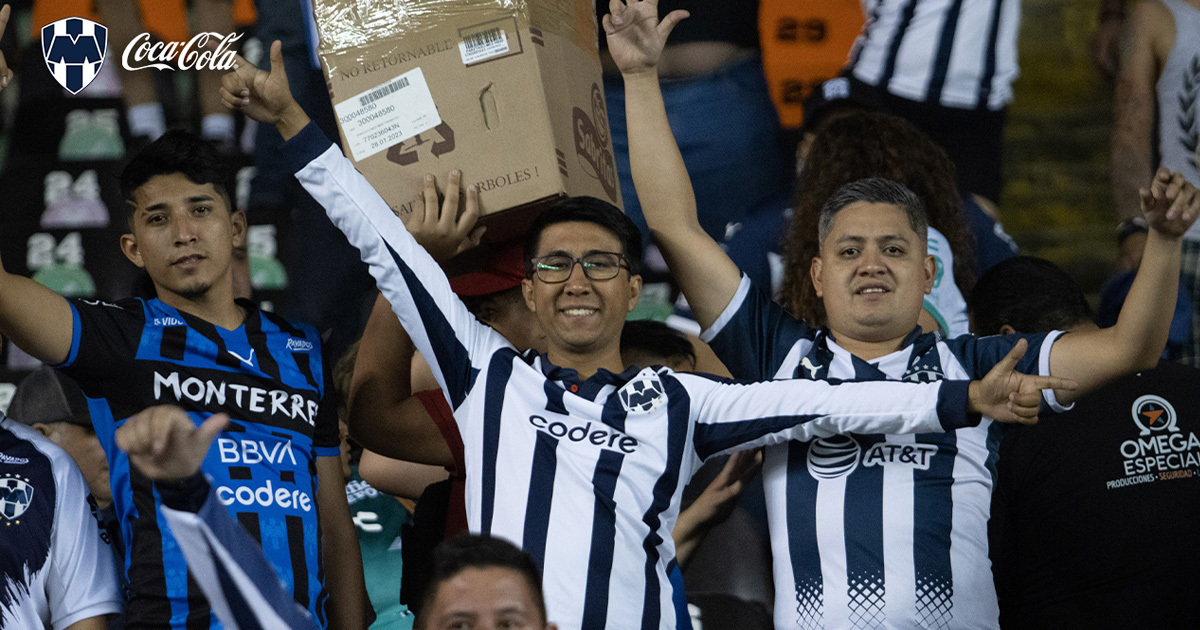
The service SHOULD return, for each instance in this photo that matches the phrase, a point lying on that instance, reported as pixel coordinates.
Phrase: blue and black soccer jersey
(267, 374)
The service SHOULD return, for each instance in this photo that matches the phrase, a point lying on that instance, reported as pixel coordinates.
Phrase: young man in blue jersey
(579, 462)
(873, 529)
(476, 582)
(197, 347)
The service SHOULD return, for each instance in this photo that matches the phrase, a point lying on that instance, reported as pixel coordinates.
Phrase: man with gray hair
(874, 530)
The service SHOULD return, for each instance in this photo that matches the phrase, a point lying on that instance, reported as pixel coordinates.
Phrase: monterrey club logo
(74, 51)
(16, 494)
(642, 394)
(1154, 413)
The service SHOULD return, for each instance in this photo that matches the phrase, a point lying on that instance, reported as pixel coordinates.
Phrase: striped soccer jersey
(268, 376)
(586, 475)
(55, 567)
(956, 53)
(872, 530)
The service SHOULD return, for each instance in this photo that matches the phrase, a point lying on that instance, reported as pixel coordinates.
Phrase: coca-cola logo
(591, 144)
(198, 53)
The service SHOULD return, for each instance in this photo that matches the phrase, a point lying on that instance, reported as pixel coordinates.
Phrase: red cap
(503, 270)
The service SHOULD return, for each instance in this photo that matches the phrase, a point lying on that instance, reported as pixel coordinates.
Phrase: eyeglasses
(557, 268)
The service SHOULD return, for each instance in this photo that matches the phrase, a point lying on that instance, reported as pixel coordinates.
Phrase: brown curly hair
(858, 146)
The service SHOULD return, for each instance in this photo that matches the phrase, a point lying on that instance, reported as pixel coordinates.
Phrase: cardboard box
(507, 91)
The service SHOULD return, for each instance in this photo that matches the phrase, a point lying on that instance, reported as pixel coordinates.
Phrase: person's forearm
(659, 174)
(1145, 320)
(381, 375)
(291, 121)
(339, 546)
(706, 275)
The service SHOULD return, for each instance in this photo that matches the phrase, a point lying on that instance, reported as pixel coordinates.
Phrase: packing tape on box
(346, 26)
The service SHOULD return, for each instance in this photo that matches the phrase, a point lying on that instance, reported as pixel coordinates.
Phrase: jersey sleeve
(236, 578)
(980, 354)
(734, 416)
(753, 334)
(82, 579)
(443, 330)
(104, 339)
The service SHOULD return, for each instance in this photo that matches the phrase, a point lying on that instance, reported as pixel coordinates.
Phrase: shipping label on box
(382, 116)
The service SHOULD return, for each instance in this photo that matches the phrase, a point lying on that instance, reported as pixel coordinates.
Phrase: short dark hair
(177, 151)
(656, 338)
(1030, 294)
(471, 551)
(874, 190)
(589, 210)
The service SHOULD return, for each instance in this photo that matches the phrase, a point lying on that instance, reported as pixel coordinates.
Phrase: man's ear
(815, 272)
(931, 273)
(1007, 330)
(237, 221)
(41, 427)
(129, 247)
(527, 293)
(635, 292)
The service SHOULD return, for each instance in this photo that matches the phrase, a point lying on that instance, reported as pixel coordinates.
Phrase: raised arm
(1095, 357)
(731, 417)
(1135, 106)
(708, 277)
(384, 416)
(36, 319)
(443, 330)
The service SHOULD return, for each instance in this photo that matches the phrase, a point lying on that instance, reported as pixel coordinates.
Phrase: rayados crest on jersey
(16, 494)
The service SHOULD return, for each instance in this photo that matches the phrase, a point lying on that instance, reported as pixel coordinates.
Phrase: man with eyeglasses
(576, 460)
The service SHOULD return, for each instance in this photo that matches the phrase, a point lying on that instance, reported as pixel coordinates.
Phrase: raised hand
(636, 38)
(444, 233)
(6, 75)
(1006, 395)
(1171, 204)
(263, 95)
(164, 444)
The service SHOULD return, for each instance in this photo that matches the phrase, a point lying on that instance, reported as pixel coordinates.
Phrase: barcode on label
(484, 40)
(375, 95)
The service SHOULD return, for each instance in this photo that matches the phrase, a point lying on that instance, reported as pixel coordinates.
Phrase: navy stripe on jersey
(989, 65)
(802, 538)
(678, 403)
(499, 372)
(541, 493)
(604, 535)
(711, 439)
(933, 506)
(941, 62)
(889, 67)
(864, 541)
(151, 608)
(295, 537)
(554, 397)
(451, 354)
